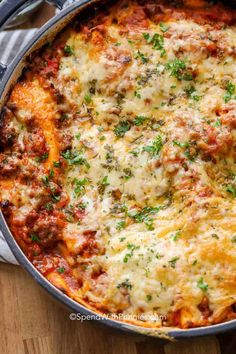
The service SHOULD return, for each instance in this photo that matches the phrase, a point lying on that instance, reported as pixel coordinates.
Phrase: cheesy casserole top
(117, 162)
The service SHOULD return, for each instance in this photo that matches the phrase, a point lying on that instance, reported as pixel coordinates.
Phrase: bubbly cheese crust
(117, 162)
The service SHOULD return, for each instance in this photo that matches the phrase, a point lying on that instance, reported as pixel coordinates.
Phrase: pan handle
(8, 8)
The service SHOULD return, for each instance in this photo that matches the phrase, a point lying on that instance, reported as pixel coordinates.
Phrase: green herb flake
(164, 28)
(78, 136)
(230, 90)
(45, 180)
(104, 181)
(156, 146)
(181, 145)
(122, 128)
(80, 185)
(134, 152)
(191, 93)
(144, 216)
(57, 164)
(75, 158)
(34, 237)
(175, 236)
(179, 70)
(139, 120)
(120, 225)
(231, 189)
(131, 247)
(233, 239)
(137, 94)
(202, 285)
(125, 284)
(189, 152)
(42, 158)
(87, 98)
(55, 198)
(157, 40)
(69, 50)
(127, 173)
(48, 206)
(148, 297)
(173, 261)
(218, 123)
(61, 270)
(141, 56)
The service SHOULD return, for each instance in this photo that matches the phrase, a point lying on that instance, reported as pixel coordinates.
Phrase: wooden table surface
(32, 322)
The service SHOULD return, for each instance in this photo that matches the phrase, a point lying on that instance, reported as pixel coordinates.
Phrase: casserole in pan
(117, 157)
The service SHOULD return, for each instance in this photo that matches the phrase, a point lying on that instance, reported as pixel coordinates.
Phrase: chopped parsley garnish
(191, 93)
(233, 239)
(231, 189)
(46, 178)
(156, 146)
(122, 128)
(104, 181)
(142, 57)
(48, 206)
(179, 70)
(202, 285)
(175, 236)
(137, 94)
(218, 123)
(173, 261)
(148, 297)
(139, 120)
(157, 41)
(144, 216)
(57, 164)
(61, 270)
(127, 173)
(55, 198)
(131, 247)
(80, 185)
(87, 98)
(75, 158)
(125, 284)
(215, 236)
(117, 44)
(189, 152)
(164, 28)
(120, 225)
(126, 258)
(34, 238)
(69, 50)
(230, 90)
(182, 145)
(42, 158)
(78, 136)
(103, 184)
(134, 152)
(51, 173)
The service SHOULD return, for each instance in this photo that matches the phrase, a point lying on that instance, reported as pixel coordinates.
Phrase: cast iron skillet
(8, 76)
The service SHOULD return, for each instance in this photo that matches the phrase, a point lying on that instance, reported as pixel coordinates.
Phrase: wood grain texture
(32, 322)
